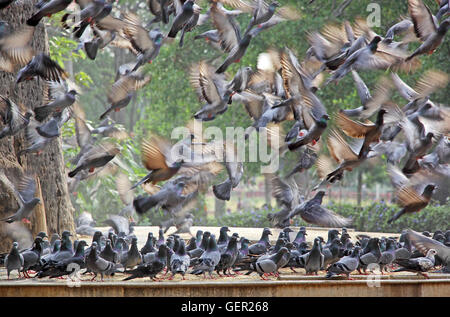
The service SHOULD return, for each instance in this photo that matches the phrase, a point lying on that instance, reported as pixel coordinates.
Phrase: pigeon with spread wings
(97, 156)
(25, 197)
(426, 28)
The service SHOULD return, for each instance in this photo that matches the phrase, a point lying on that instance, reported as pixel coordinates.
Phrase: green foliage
(372, 218)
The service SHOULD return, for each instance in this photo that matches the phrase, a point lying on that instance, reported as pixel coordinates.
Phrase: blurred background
(169, 101)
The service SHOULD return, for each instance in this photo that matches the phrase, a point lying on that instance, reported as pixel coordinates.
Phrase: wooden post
(39, 219)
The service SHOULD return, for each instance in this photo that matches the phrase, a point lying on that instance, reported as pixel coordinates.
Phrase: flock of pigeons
(230, 255)
(280, 89)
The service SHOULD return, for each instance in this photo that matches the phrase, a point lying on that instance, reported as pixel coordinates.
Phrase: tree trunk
(48, 166)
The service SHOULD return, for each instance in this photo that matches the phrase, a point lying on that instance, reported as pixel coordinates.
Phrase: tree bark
(48, 166)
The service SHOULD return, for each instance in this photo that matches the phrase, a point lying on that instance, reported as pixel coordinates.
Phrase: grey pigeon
(267, 265)
(152, 268)
(387, 256)
(12, 118)
(314, 260)
(108, 253)
(132, 257)
(420, 265)
(371, 254)
(43, 66)
(262, 245)
(182, 18)
(48, 8)
(14, 260)
(229, 256)
(424, 244)
(25, 193)
(180, 261)
(346, 265)
(148, 247)
(223, 237)
(313, 212)
(57, 97)
(300, 237)
(96, 264)
(196, 253)
(66, 266)
(208, 260)
(31, 257)
(332, 253)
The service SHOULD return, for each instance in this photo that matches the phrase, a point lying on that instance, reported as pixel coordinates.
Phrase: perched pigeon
(267, 265)
(149, 246)
(346, 265)
(314, 260)
(180, 261)
(108, 253)
(96, 264)
(14, 260)
(420, 265)
(229, 256)
(152, 268)
(262, 245)
(31, 257)
(371, 254)
(387, 256)
(208, 260)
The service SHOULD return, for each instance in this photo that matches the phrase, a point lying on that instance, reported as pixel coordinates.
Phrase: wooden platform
(404, 287)
(288, 284)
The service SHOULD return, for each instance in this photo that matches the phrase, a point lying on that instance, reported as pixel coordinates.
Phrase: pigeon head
(267, 232)
(283, 250)
(289, 246)
(323, 121)
(319, 195)
(66, 234)
(288, 230)
(94, 246)
(28, 115)
(431, 253)
(374, 44)
(274, 5)
(428, 191)
(188, 5)
(443, 27)
(212, 244)
(42, 234)
(79, 250)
